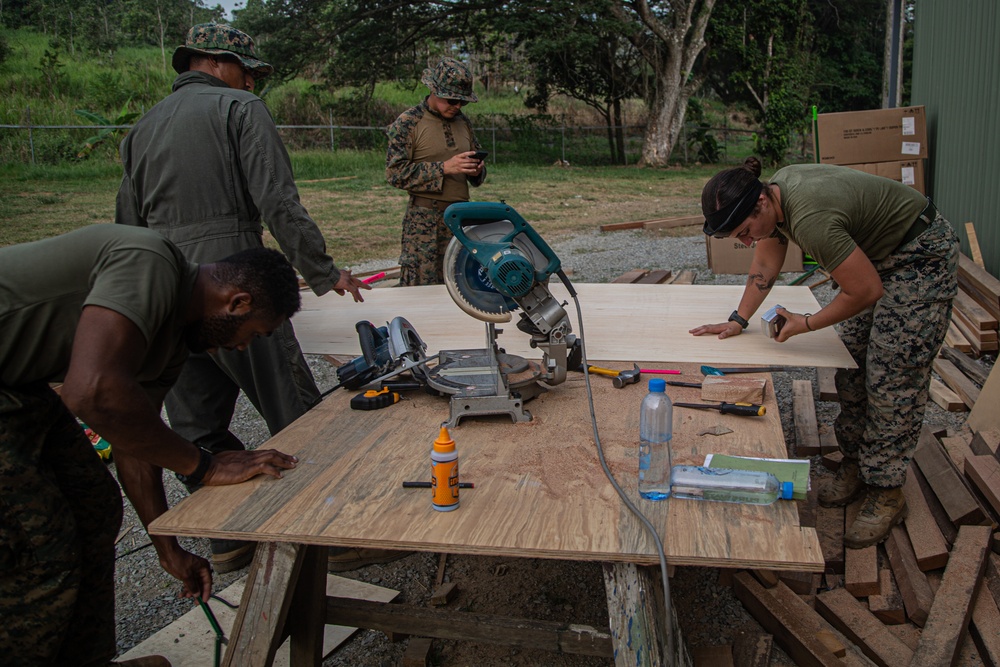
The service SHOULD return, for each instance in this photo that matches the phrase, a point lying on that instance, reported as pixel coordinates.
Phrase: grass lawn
(346, 193)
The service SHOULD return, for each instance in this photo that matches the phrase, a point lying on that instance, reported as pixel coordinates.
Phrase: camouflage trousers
(60, 510)
(424, 241)
(894, 344)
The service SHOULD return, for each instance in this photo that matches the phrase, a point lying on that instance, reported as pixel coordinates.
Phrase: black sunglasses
(456, 103)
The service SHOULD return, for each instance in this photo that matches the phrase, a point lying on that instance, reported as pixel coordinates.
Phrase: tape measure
(374, 399)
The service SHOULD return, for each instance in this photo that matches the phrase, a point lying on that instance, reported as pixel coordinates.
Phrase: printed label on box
(909, 126)
(911, 148)
(907, 174)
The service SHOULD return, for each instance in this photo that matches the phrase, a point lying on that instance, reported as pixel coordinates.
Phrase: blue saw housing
(507, 265)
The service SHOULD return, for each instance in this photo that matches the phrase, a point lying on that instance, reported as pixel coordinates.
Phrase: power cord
(650, 528)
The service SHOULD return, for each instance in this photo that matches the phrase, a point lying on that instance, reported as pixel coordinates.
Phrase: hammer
(626, 377)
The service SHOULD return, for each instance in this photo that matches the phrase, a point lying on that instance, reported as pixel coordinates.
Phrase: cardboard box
(907, 172)
(731, 256)
(879, 135)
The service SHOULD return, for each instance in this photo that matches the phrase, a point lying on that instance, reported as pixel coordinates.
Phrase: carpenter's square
(740, 409)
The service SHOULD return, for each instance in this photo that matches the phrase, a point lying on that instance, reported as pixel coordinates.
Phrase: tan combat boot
(844, 488)
(882, 509)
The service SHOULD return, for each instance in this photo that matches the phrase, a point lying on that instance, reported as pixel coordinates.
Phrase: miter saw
(496, 264)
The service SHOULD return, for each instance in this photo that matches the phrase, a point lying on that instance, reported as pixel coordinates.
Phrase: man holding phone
(433, 155)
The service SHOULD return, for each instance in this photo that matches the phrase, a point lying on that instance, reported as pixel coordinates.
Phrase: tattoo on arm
(760, 282)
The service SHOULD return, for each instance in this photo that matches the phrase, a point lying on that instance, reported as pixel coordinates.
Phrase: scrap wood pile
(977, 308)
(928, 595)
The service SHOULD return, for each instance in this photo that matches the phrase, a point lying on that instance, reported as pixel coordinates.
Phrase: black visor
(721, 223)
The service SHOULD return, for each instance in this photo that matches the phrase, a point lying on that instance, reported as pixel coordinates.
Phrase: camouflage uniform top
(420, 141)
(831, 210)
(45, 285)
(204, 166)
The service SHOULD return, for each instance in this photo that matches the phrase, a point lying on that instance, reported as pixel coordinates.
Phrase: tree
(670, 36)
(577, 49)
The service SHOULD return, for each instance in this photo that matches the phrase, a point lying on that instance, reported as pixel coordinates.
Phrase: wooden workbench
(540, 492)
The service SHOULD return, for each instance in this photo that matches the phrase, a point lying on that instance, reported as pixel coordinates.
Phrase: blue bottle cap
(786, 490)
(658, 385)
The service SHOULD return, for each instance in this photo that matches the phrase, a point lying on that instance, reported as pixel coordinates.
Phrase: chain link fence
(528, 143)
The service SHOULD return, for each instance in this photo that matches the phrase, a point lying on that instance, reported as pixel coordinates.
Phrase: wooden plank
(268, 594)
(713, 656)
(830, 528)
(955, 339)
(640, 631)
(858, 624)
(833, 460)
(948, 530)
(733, 389)
(654, 277)
(957, 381)
(974, 251)
(804, 417)
(887, 606)
(984, 473)
(520, 633)
(417, 652)
(948, 486)
(752, 648)
(913, 586)
(952, 608)
(828, 440)
(986, 415)
(980, 338)
(631, 276)
(671, 223)
(972, 370)
(945, 397)
(324, 327)
(929, 546)
(825, 379)
(975, 315)
(984, 283)
(684, 277)
(986, 442)
(985, 627)
(189, 641)
(784, 615)
(984, 299)
(444, 594)
(860, 565)
(957, 449)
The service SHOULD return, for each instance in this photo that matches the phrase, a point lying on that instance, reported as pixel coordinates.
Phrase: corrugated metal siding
(956, 75)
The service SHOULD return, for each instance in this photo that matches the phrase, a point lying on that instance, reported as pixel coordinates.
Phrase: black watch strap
(194, 479)
(735, 317)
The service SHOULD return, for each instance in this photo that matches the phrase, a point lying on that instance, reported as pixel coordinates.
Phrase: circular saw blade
(470, 288)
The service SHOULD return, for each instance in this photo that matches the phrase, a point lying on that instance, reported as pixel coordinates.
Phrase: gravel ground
(530, 588)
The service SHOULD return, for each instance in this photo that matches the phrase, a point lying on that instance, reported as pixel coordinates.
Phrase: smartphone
(480, 155)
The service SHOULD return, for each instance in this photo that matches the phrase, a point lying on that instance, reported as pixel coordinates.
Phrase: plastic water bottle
(656, 419)
(728, 486)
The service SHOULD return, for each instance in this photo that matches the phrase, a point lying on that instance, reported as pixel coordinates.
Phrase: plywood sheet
(539, 487)
(620, 323)
(190, 641)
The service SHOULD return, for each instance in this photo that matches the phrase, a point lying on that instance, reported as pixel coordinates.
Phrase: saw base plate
(483, 383)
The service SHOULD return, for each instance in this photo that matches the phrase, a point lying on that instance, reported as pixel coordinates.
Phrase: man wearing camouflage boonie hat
(205, 167)
(430, 155)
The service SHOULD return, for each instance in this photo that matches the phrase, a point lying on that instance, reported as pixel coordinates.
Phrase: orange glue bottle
(444, 473)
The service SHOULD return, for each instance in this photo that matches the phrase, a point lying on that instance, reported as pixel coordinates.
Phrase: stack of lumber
(657, 223)
(976, 310)
(928, 595)
(656, 277)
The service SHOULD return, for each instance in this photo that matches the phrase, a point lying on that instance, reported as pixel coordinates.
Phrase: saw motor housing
(496, 264)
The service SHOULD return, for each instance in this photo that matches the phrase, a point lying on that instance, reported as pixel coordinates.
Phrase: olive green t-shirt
(831, 210)
(44, 286)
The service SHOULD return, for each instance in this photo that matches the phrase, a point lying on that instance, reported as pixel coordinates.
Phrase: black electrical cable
(611, 478)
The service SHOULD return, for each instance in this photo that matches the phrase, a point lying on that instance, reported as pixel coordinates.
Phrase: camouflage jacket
(419, 132)
(205, 167)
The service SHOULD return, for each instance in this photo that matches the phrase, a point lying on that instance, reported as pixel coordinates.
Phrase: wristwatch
(735, 317)
(194, 479)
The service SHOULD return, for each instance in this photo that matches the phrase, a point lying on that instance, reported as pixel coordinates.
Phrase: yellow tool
(374, 399)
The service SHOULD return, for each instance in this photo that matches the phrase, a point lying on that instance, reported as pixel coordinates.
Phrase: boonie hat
(212, 39)
(450, 80)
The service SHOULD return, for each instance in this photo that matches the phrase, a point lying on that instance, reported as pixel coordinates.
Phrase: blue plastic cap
(786, 490)
(658, 384)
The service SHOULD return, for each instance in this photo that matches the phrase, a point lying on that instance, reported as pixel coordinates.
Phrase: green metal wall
(956, 76)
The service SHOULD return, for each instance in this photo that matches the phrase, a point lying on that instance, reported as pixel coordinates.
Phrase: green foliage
(701, 141)
(125, 117)
(4, 49)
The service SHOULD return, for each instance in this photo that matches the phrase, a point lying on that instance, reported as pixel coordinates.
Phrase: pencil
(427, 485)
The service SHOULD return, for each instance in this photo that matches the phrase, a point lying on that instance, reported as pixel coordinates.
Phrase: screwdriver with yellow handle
(739, 409)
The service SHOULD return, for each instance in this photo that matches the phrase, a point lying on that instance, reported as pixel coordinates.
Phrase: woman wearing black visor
(895, 259)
